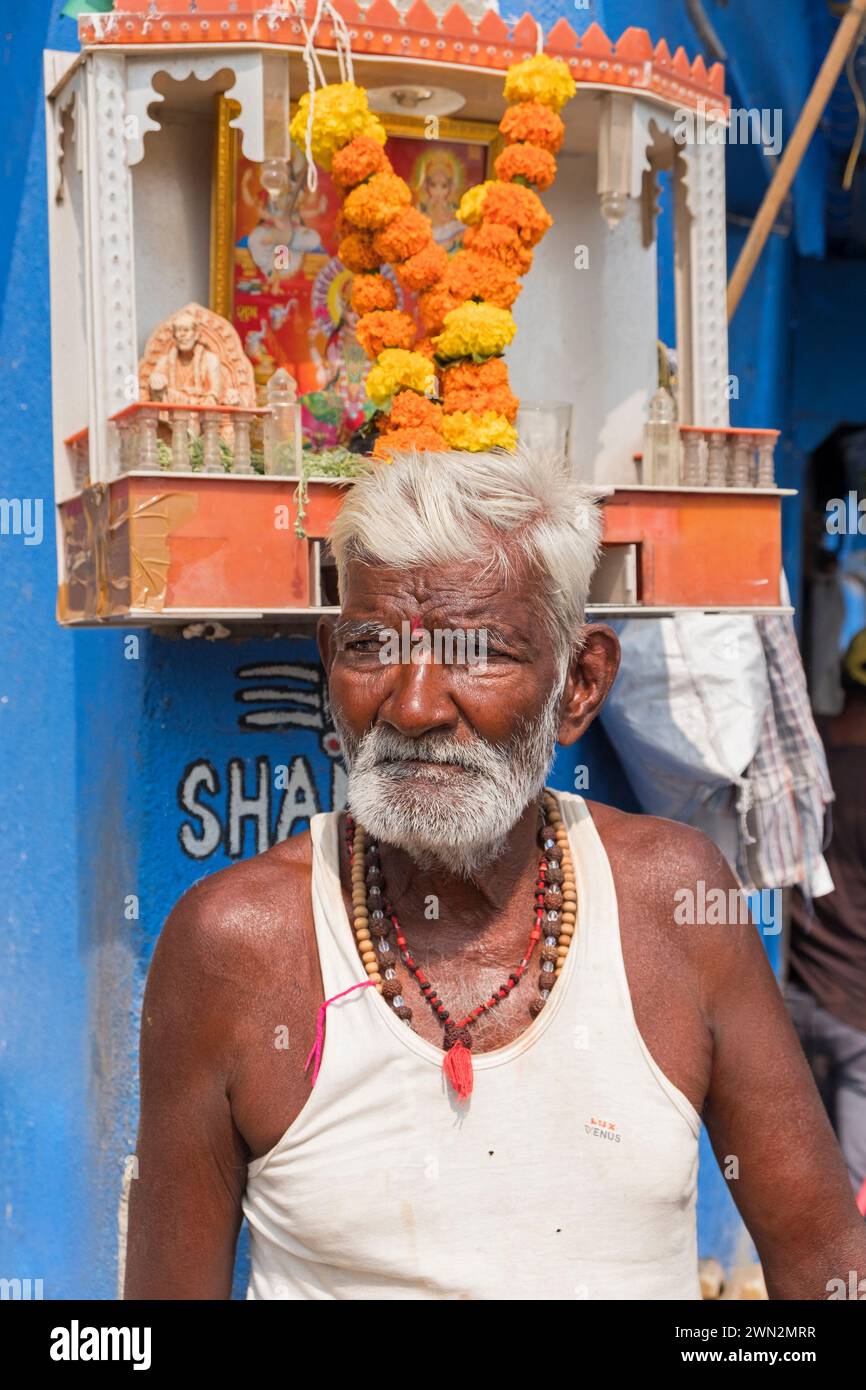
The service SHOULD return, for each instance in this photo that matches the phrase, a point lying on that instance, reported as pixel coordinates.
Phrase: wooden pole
(845, 37)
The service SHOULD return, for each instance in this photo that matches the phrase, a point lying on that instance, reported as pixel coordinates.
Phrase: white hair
(498, 507)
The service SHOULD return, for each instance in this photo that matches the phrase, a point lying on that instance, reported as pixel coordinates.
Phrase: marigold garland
(358, 160)
(474, 431)
(403, 441)
(371, 292)
(503, 243)
(407, 234)
(395, 368)
(464, 301)
(482, 387)
(340, 111)
(424, 269)
(526, 161)
(475, 330)
(385, 328)
(471, 275)
(542, 79)
(356, 252)
(411, 411)
(377, 202)
(533, 123)
(433, 305)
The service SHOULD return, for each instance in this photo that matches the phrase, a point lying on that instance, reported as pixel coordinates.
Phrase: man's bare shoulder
(665, 873)
(664, 854)
(239, 914)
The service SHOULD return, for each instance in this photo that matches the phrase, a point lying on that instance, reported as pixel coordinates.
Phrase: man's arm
(763, 1110)
(185, 1203)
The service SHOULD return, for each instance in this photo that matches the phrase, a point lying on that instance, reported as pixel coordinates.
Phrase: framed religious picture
(276, 276)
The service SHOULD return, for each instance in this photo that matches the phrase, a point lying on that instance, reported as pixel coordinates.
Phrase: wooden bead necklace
(555, 913)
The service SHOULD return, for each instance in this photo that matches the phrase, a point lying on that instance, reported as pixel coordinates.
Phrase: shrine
(230, 366)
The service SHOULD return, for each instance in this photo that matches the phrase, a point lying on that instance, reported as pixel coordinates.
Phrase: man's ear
(325, 642)
(590, 677)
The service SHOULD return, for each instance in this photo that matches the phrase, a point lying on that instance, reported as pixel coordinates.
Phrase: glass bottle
(283, 426)
(661, 449)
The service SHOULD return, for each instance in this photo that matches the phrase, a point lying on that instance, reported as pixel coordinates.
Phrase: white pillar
(701, 281)
(113, 367)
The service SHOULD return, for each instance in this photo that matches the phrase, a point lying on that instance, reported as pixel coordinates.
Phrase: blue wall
(100, 739)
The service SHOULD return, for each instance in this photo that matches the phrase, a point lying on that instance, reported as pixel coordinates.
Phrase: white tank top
(570, 1173)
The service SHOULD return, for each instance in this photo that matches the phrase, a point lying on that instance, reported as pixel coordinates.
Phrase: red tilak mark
(415, 624)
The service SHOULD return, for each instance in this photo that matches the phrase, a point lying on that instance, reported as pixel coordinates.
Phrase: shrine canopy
(453, 38)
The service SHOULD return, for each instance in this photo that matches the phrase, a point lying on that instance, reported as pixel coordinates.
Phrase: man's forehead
(467, 584)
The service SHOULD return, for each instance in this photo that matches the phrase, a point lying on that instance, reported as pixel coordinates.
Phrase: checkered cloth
(789, 787)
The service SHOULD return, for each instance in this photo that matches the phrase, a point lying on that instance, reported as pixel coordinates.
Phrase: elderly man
(519, 1044)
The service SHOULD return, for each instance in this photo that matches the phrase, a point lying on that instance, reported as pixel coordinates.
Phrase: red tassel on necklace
(457, 1067)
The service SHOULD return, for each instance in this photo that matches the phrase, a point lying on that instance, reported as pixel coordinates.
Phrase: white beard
(456, 816)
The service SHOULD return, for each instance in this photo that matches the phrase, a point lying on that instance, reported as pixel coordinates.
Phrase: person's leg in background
(804, 1011)
(836, 1054)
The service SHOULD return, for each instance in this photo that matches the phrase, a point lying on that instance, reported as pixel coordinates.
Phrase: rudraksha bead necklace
(555, 914)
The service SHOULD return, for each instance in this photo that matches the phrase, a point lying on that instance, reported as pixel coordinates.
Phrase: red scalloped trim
(631, 62)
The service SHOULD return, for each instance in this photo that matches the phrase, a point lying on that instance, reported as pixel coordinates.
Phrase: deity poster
(291, 295)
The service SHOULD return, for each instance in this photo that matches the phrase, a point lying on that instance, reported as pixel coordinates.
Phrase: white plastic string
(314, 69)
(539, 45)
(343, 46)
(342, 40)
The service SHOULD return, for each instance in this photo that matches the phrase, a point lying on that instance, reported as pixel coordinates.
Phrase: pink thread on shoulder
(316, 1049)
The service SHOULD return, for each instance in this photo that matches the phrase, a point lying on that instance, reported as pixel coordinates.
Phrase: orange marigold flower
(476, 387)
(403, 441)
(475, 375)
(433, 305)
(412, 411)
(492, 239)
(358, 160)
(426, 347)
(370, 292)
(500, 399)
(405, 235)
(375, 203)
(385, 328)
(529, 162)
(514, 206)
(356, 252)
(471, 276)
(531, 121)
(425, 269)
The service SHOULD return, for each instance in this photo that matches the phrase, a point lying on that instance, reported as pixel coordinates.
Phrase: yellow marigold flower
(464, 429)
(475, 329)
(472, 203)
(340, 112)
(542, 79)
(396, 368)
